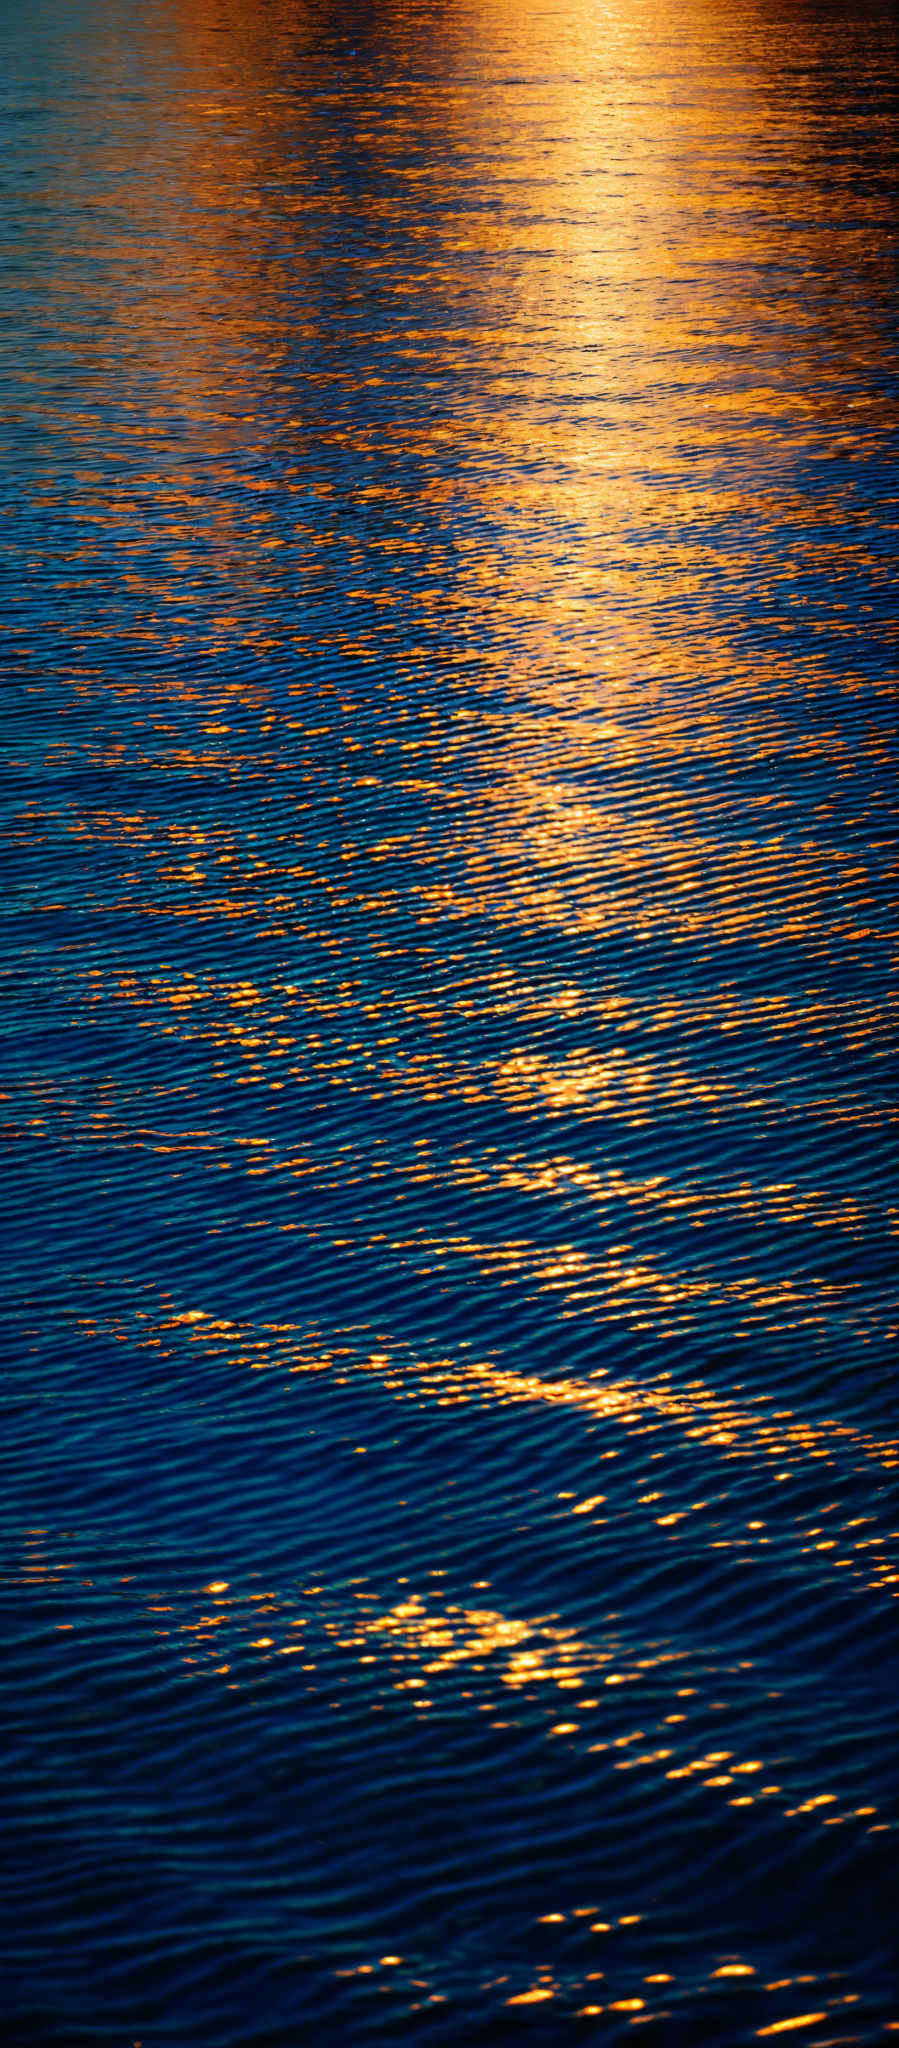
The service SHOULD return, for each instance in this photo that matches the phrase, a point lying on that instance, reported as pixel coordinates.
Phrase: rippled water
(450, 1282)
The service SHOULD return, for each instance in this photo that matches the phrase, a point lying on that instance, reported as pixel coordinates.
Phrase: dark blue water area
(448, 1057)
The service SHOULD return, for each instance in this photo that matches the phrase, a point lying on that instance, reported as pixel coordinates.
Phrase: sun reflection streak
(437, 1656)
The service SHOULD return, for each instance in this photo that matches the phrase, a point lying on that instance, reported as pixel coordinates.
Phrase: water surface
(450, 1279)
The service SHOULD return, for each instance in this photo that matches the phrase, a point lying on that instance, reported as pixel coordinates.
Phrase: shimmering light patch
(449, 780)
(736, 1429)
(434, 1641)
(790, 2026)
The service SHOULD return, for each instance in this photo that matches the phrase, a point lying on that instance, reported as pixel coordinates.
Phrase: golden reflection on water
(250, 1033)
(422, 1644)
(536, 379)
(602, 334)
(568, 436)
(410, 1649)
(732, 1428)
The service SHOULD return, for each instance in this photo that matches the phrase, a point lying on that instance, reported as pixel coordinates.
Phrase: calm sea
(449, 1278)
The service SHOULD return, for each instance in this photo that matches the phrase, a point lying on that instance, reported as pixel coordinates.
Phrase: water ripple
(448, 1054)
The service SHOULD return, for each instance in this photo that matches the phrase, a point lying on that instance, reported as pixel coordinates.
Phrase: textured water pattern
(449, 1253)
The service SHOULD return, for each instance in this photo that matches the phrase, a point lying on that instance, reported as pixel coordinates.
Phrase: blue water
(449, 1064)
